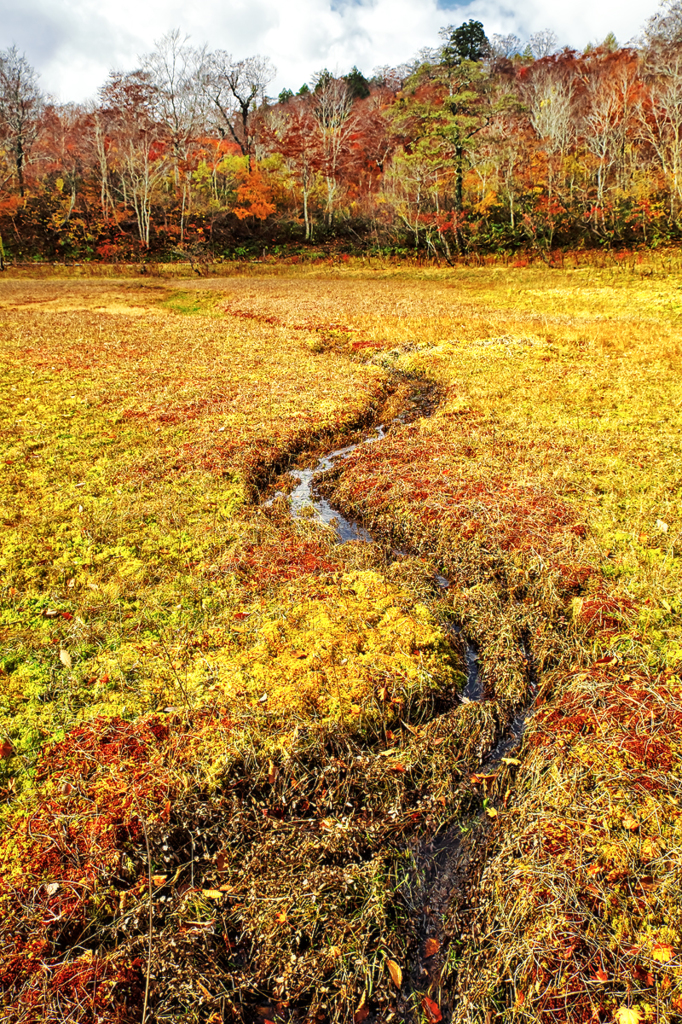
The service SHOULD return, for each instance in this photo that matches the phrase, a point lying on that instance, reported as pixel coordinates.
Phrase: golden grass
(131, 450)
(315, 745)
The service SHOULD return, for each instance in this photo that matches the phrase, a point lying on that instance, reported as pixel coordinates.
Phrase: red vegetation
(603, 615)
(67, 865)
(424, 476)
(289, 559)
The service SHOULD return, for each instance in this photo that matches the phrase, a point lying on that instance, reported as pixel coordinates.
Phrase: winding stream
(439, 859)
(305, 496)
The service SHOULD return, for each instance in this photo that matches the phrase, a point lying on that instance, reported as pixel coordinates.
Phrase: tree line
(477, 145)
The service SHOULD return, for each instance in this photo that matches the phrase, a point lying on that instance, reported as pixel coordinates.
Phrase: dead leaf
(432, 1010)
(65, 659)
(272, 772)
(663, 953)
(159, 879)
(362, 1012)
(6, 750)
(431, 947)
(510, 760)
(601, 975)
(491, 812)
(212, 894)
(630, 823)
(626, 1015)
(204, 991)
(396, 973)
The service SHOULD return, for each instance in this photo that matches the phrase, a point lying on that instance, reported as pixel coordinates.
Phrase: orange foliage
(254, 195)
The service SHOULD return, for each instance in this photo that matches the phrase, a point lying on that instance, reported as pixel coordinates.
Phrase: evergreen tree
(468, 42)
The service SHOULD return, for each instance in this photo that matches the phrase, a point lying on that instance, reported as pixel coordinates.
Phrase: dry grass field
(240, 778)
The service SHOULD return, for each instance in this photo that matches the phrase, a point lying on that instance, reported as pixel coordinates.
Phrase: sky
(75, 43)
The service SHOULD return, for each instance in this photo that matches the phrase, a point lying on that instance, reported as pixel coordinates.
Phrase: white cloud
(74, 43)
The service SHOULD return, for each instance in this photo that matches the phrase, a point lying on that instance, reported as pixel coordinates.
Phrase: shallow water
(474, 687)
(305, 496)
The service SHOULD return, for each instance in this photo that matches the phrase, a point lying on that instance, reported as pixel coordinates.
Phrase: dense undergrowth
(229, 743)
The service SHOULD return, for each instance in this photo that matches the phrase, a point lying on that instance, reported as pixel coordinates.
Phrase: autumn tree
(236, 88)
(444, 109)
(549, 89)
(416, 187)
(136, 145)
(175, 70)
(64, 152)
(477, 143)
(332, 107)
(611, 94)
(543, 43)
(665, 27)
(294, 133)
(660, 117)
(20, 104)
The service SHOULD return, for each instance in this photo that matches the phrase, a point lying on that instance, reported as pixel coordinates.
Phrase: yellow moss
(362, 645)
